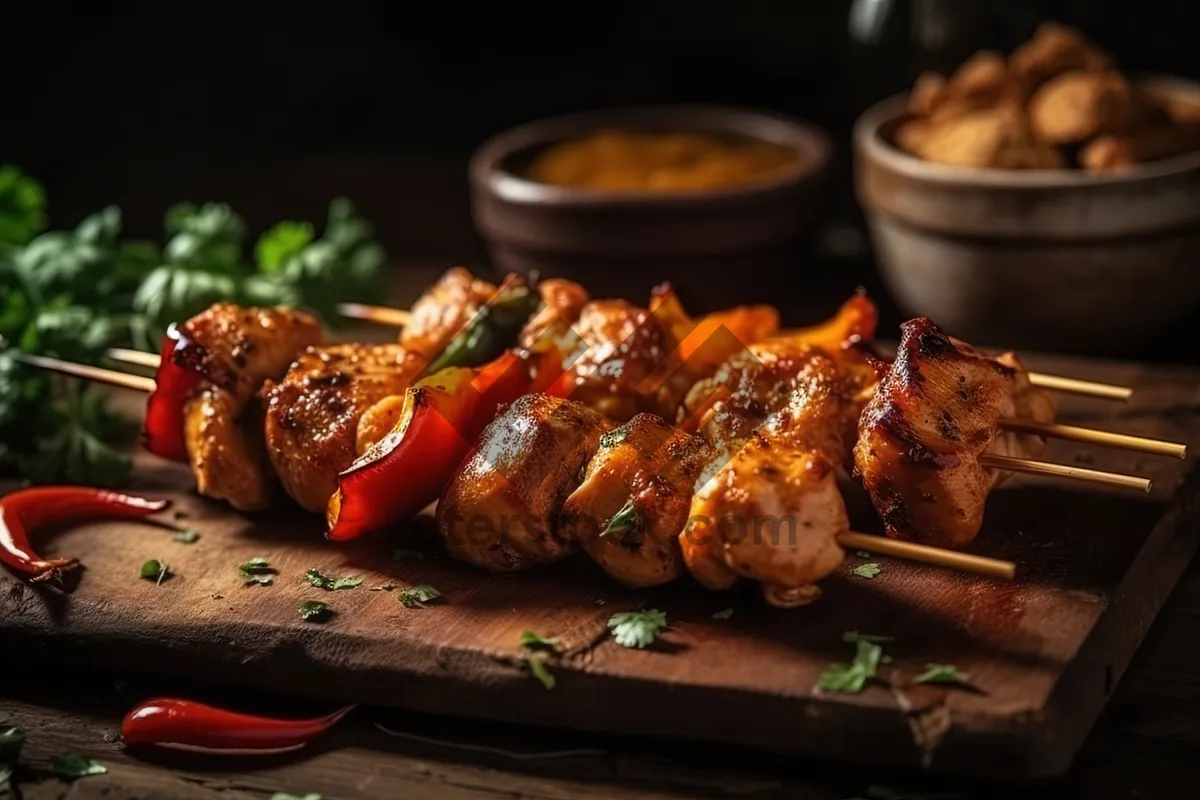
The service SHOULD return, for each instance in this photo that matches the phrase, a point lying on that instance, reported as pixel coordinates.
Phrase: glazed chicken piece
(443, 310)
(634, 500)
(500, 510)
(935, 412)
(237, 350)
(768, 508)
(563, 302)
(313, 413)
(227, 451)
(617, 347)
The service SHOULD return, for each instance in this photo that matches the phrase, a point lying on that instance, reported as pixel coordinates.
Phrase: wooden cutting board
(1044, 651)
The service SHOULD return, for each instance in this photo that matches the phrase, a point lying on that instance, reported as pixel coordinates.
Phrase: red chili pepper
(177, 377)
(187, 725)
(405, 471)
(25, 510)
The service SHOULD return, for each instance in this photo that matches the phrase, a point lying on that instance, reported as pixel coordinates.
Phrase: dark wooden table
(1147, 745)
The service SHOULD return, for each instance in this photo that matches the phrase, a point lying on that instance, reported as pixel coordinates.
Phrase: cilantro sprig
(637, 629)
(852, 677)
(74, 293)
(323, 581)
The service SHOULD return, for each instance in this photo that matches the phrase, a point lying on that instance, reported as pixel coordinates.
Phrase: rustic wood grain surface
(1045, 651)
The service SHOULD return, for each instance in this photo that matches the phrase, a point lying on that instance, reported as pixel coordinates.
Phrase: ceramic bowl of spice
(1039, 200)
(712, 199)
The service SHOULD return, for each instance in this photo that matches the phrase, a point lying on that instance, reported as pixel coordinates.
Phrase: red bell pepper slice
(177, 377)
(443, 415)
(25, 510)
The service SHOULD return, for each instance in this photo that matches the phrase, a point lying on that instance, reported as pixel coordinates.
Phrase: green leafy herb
(186, 537)
(417, 596)
(72, 294)
(624, 521)
(315, 611)
(869, 570)
(70, 767)
(535, 641)
(852, 678)
(322, 581)
(637, 629)
(724, 613)
(942, 673)
(613, 438)
(286, 796)
(404, 554)
(537, 665)
(12, 739)
(257, 571)
(490, 331)
(22, 207)
(155, 570)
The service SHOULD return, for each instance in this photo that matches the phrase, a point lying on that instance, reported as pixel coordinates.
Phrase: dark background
(276, 107)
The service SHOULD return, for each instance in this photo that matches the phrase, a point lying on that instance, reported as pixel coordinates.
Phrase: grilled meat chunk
(563, 300)
(617, 348)
(313, 414)
(501, 508)
(634, 500)
(935, 412)
(240, 348)
(443, 310)
(237, 350)
(226, 450)
(768, 508)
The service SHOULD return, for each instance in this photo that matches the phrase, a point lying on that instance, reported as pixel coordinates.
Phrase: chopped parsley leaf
(623, 521)
(868, 570)
(72, 766)
(417, 596)
(537, 665)
(942, 673)
(322, 581)
(535, 641)
(315, 611)
(186, 537)
(637, 629)
(155, 570)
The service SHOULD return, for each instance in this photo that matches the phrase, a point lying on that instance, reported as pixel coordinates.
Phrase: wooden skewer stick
(963, 562)
(1105, 391)
(861, 541)
(378, 314)
(1048, 469)
(1072, 433)
(139, 357)
(110, 376)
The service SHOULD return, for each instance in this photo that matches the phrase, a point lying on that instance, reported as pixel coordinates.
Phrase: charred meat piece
(617, 348)
(769, 509)
(443, 310)
(237, 350)
(634, 499)
(313, 414)
(500, 510)
(240, 348)
(935, 412)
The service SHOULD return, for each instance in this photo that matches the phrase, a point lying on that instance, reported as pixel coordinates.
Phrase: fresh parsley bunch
(72, 294)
